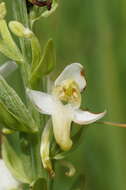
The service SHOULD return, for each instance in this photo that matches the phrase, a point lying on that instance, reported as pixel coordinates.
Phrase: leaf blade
(46, 65)
(15, 106)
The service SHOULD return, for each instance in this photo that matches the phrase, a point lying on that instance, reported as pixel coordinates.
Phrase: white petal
(7, 68)
(62, 119)
(7, 181)
(45, 103)
(73, 72)
(85, 117)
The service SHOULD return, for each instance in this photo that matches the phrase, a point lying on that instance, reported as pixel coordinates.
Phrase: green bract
(46, 64)
(14, 113)
(3, 10)
(7, 44)
(21, 155)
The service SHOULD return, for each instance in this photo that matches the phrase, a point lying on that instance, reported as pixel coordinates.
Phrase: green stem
(34, 140)
(21, 15)
(50, 183)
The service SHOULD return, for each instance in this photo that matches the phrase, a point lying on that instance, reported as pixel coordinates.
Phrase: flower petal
(7, 181)
(62, 119)
(74, 72)
(85, 117)
(45, 103)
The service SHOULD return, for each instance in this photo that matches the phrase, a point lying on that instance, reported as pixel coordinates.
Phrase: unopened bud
(19, 30)
(71, 169)
(45, 149)
(7, 131)
(3, 10)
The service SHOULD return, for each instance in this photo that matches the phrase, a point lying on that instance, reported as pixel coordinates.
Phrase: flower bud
(3, 10)
(71, 169)
(45, 149)
(7, 131)
(19, 30)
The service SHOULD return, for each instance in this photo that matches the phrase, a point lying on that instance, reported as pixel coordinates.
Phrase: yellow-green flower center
(68, 92)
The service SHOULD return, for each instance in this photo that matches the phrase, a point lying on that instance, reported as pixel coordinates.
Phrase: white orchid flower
(7, 181)
(63, 104)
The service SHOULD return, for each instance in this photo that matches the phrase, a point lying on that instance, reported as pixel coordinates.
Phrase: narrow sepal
(85, 117)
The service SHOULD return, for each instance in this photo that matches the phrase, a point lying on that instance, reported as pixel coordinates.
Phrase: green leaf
(7, 119)
(7, 44)
(12, 104)
(36, 52)
(13, 157)
(46, 65)
(21, 155)
(9, 52)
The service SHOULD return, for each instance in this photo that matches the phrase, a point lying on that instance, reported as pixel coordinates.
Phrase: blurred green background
(94, 34)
